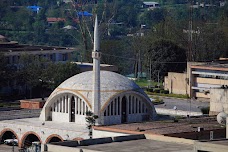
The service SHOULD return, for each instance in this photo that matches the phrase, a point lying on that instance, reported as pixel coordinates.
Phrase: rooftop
(212, 66)
(13, 46)
(142, 145)
(167, 127)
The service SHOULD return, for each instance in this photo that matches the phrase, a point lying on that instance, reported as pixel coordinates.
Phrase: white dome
(109, 81)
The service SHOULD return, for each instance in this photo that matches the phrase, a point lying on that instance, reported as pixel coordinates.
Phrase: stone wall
(218, 101)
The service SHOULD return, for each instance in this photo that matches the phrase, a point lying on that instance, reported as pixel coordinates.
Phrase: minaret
(96, 73)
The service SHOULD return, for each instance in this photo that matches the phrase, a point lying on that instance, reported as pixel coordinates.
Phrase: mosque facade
(112, 97)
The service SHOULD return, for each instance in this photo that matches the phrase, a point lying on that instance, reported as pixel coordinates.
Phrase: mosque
(112, 97)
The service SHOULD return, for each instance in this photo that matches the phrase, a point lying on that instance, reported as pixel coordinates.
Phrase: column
(55, 107)
(141, 106)
(76, 105)
(84, 111)
(114, 107)
(135, 105)
(120, 98)
(109, 109)
(138, 105)
(58, 105)
(69, 107)
(127, 104)
(79, 106)
(62, 105)
(66, 103)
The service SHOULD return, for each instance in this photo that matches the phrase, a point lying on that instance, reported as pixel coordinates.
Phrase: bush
(165, 91)
(150, 89)
(157, 90)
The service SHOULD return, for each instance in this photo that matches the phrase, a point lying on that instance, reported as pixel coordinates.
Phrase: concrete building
(111, 96)
(13, 51)
(199, 79)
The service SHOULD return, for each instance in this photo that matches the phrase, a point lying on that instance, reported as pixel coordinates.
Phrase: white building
(121, 100)
(151, 5)
(111, 96)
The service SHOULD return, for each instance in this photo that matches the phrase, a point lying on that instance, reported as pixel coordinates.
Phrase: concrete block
(95, 141)
(127, 138)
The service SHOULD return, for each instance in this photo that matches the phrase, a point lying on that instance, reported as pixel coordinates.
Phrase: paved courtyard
(183, 104)
(6, 148)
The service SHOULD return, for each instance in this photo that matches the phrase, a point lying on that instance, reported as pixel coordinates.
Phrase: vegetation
(9, 104)
(157, 101)
(134, 38)
(90, 119)
(36, 74)
(168, 95)
(144, 83)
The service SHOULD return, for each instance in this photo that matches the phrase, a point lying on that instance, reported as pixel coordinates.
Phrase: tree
(56, 73)
(165, 56)
(90, 119)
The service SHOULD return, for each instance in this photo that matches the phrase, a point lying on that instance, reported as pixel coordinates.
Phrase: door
(124, 110)
(72, 109)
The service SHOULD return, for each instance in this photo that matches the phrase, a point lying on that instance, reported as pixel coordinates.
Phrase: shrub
(157, 90)
(165, 91)
(150, 89)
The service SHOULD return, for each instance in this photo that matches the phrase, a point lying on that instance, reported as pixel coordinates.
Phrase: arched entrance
(72, 102)
(124, 110)
(54, 138)
(29, 138)
(8, 134)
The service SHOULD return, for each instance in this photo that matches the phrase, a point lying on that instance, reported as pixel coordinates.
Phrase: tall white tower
(96, 73)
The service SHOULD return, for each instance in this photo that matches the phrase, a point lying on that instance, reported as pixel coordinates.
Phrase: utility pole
(190, 54)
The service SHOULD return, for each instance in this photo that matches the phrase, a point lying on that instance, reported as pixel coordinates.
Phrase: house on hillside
(150, 5)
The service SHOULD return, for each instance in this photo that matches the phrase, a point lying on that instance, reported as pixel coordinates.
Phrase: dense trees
(34, 74)
(166, 30)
